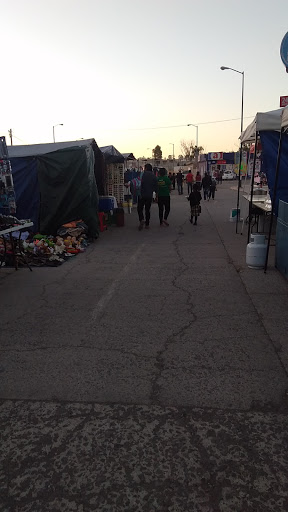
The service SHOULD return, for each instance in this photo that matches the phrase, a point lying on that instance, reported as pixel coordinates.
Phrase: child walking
(164, 188)
(194, 199)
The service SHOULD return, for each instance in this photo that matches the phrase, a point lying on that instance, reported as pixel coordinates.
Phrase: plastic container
(233, 214)
(119, 214)
(106, 204)
(256, 251)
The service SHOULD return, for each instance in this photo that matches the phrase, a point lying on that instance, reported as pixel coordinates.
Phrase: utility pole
(10, 135)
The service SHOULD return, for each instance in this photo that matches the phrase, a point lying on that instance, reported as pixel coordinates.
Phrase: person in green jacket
(164, 187)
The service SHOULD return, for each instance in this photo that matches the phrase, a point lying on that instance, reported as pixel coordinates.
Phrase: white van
(228, 175)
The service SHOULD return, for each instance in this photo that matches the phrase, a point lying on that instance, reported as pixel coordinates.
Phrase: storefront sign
(284, 50)
(283, 101)
(215, 156)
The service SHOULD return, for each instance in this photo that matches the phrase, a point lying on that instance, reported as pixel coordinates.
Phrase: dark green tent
(65, 174)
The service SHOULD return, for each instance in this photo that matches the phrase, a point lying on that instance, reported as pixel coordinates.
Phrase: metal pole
(238, 190)
(240, 156)
(10, 135)
(274, 199)
(53, 134)
(252, 187)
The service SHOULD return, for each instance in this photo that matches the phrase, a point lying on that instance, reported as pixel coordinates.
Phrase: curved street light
(223, 68)
(59, 124)
(195, 126)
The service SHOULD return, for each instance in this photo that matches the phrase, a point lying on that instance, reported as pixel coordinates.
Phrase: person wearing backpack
(194, 200)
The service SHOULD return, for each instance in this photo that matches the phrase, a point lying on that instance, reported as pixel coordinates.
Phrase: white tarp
(264, 121)
(284, 117)
(43, 149)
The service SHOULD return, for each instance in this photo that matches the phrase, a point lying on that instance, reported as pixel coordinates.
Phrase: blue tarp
(270, 143)
(24, 172)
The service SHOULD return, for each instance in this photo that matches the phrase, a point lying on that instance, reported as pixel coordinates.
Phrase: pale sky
(134, 73)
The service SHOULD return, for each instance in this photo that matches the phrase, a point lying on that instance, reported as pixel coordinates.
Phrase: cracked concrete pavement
(149, 373)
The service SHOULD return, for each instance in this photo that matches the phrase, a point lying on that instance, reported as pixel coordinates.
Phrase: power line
(226, 120)
(19, 139)
(196, 124)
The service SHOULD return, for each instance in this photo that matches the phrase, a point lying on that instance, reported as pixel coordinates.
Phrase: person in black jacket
(149, 184)
(206, 184)
(212, 188)
(179, 179)
(194, 199)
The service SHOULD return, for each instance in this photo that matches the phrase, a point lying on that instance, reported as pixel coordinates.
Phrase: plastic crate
(106, 204)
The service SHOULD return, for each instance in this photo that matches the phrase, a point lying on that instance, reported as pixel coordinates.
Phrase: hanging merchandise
(7, 193)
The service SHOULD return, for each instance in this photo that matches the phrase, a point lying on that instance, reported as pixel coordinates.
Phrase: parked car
(228, 175)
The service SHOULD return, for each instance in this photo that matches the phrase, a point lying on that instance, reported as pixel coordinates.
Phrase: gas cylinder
(256, 251)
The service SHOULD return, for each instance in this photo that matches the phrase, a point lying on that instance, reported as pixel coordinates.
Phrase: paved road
(150, 373)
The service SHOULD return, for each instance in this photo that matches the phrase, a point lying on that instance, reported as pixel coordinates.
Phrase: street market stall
(270, 128)
(114, 162)
(68, 168)
(263, 123)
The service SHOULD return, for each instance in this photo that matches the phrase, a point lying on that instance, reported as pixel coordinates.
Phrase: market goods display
(43, 250)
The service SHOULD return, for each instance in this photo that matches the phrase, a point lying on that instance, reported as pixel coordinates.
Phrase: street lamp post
(223, 68)
(59, 124)
(171, 143)
(195, 126)
(152, 153)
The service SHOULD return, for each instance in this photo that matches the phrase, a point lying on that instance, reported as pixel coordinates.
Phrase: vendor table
(260, 210)
(16, 245)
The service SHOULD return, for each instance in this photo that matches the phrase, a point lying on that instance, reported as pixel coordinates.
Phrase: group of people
(208, 183)
(179, 179)
(161, 186)
(209, 186)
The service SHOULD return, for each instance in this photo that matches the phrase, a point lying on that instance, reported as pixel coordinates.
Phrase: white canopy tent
(277, 121)
(284, 121)
(263, 121)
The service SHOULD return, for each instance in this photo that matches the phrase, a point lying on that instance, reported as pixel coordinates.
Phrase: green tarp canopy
(65, 181)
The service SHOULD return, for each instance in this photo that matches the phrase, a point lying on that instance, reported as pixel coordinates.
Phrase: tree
(157, 153)
(190, 150)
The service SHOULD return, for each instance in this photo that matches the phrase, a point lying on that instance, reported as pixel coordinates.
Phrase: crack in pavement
(160, 364)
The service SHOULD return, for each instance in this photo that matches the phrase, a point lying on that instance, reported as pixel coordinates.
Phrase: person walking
(198, 180)
(179, 179)
(212, 188)
(195, 207)
(174, 180)
(164, 188)
(149, 185)
(206, 183)
(189, 181)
